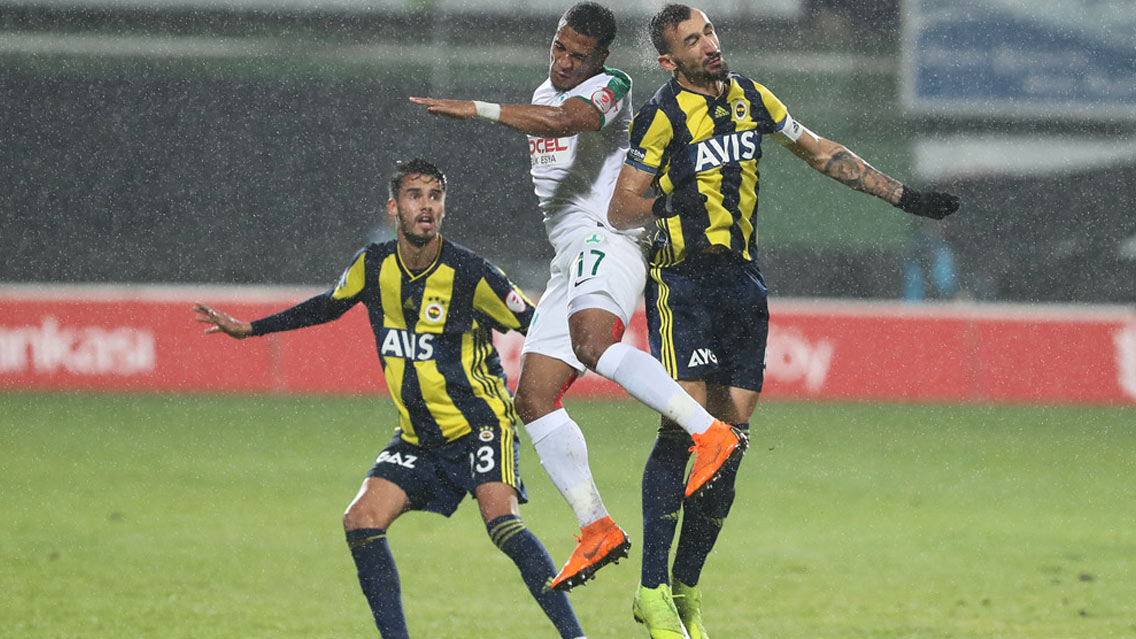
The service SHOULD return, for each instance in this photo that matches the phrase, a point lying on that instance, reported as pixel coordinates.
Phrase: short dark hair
(593, 20)
(417, 166)
(666, 19)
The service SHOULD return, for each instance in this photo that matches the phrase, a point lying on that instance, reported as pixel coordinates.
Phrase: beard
(701, 75)
(418, 241)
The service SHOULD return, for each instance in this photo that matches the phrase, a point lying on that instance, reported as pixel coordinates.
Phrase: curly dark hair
(417, 166)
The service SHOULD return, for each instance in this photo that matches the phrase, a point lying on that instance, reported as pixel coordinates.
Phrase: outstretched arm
(839, 163)
(572, 117)
(319, 309)
(222, 322)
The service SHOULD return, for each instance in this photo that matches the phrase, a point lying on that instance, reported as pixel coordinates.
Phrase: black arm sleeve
(318, 310)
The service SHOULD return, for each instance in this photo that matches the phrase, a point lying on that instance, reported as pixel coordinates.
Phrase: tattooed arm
(844, 166)
(839, 163)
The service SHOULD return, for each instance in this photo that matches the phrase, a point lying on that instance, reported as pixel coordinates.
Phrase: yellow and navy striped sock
(702, 521)
(662, 493)
(510, 534)
(378, 576)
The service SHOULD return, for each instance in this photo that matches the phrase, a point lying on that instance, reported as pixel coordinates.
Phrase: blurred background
(939, 469)
(249, 141)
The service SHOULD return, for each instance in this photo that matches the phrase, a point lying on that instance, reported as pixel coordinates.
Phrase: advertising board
(145, 339)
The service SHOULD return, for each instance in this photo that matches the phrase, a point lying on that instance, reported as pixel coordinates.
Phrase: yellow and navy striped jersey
(704, 150)
(432, 331)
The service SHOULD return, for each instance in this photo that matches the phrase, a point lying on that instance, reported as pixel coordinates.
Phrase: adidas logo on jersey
(720, 112)
(702, 357)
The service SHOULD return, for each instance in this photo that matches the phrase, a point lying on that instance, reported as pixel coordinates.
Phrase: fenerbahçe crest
(434, 311)
(485, 433)
(740, 109)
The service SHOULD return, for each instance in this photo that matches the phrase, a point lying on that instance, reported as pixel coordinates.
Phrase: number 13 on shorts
(483, 460)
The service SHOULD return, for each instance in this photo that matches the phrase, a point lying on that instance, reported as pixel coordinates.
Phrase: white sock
(645, 379)
(564, 454)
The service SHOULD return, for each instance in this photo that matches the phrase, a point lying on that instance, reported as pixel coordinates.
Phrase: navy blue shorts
(437, 479)
(708, 320)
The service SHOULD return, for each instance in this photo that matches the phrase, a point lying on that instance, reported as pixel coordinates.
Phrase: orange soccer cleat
(713, 449)
(601, 543)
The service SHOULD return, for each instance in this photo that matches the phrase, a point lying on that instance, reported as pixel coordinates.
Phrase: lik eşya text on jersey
(546, 151)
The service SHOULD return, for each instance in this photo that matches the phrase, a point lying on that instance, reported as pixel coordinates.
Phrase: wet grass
(148, 516)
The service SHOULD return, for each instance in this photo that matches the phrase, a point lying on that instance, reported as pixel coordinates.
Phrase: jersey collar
(726, 85)
(411, 275)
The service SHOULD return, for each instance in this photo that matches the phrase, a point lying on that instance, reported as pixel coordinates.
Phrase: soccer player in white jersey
(577, 126)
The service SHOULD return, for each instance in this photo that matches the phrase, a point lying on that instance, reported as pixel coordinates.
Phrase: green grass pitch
(187, 516)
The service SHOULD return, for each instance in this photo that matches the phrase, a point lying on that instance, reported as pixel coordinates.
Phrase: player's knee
(532, 406)
(364, 514)
(591, 336)
(588, 347)
(583, 352)
(354, 518)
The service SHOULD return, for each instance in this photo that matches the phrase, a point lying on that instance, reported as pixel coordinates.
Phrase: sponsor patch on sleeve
(637, 157)
(604, 100)
(515, 302)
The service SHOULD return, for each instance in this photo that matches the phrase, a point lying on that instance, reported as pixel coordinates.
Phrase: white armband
(790, 132)
(487, 110)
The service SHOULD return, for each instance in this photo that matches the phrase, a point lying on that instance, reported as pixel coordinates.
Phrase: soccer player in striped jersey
(432, 304)
(577, 126)
(696, 145)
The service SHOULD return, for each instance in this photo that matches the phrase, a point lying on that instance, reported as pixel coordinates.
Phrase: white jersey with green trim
(574, 176)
